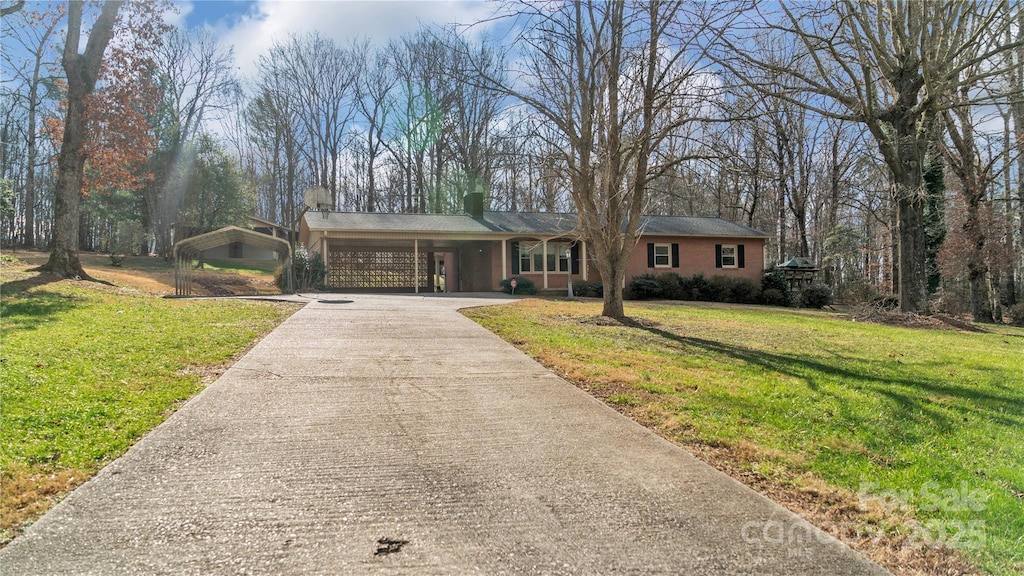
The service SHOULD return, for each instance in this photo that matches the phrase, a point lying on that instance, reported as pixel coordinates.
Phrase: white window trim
(735, 256)
(526, 255)
(667, 255)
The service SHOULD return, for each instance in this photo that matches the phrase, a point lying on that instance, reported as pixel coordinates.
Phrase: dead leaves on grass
(28, 492)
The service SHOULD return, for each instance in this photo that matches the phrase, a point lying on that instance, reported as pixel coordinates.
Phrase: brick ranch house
(474, 252)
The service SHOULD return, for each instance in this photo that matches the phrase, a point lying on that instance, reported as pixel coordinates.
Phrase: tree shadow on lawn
(24, 310)
(911, 393)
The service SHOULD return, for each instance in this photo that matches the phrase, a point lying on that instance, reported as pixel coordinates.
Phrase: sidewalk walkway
(391, 435)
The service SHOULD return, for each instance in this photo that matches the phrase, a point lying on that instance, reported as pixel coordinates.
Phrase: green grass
(254, 267)
(931, 420)
(85, 369)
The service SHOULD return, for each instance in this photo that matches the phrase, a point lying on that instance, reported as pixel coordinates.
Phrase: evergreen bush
(644, 287)
(587, 289)
(671, 286)
(697, 288)
(774, 279)
(309, 271)
(1016, 314)
(524, 286)
(815, 296)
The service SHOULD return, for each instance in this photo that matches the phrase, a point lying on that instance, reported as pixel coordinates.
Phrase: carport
(189, 249)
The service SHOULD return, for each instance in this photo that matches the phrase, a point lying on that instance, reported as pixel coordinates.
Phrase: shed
(187, 250)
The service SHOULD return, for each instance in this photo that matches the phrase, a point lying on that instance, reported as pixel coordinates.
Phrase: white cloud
(176, 18)
(268, 21)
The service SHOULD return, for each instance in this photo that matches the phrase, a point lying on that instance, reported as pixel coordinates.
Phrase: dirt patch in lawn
(28, 493)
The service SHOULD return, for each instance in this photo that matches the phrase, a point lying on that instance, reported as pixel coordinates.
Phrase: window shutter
(574, 256)
(515, 258)
(650, 255)
(739, 255)
(675, 255)
(718, 255)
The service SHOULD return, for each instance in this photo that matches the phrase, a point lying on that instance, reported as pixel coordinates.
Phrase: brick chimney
(473, 204)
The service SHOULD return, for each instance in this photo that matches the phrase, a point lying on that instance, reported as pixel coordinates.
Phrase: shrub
(524, 286)
(644, 287)
(671, 286)
(772, 297)
(587, 289)
(697, 287)
(720, 288)
(774, 280)
(308, 269)
(734, 290)
(744, 291)
(815, 296)
(1016, 314)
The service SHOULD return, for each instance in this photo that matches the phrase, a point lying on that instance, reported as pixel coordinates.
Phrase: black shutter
(675, 255)
(515, 258)
(574, 257)
(650, 255)
(718, 255)
(739, 255)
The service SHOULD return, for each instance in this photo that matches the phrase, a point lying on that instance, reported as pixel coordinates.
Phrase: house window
(235, 250)
(525, 260)
(558, 256)
(662, 257)
(729, 256)
(532, 257)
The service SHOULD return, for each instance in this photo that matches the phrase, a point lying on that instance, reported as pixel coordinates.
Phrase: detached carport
(189, 249)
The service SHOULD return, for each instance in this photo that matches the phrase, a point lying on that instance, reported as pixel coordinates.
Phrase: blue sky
(251, 26)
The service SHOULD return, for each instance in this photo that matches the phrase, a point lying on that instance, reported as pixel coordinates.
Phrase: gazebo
(800, 272)
(187, 250)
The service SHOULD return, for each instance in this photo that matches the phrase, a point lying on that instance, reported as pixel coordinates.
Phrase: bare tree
(375, 101)
(197, 81)
(888, 64)
(12, 7)
(320, 78)
(474, 110)
(32, 32)
(615, 80)
(976, 177)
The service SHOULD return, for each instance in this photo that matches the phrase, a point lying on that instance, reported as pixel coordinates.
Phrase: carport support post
(544, 251)
(416, 265)
(504, 259)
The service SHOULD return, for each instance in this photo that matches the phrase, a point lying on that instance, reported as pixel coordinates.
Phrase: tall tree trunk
(82, 72)
(912, 282)
(977, 266)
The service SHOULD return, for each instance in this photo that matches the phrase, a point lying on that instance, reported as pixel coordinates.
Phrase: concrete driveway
(390, 435)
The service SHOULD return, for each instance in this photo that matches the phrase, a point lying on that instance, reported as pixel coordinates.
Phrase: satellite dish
(317, 198)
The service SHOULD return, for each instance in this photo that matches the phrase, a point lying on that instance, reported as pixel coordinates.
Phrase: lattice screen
(372, 269)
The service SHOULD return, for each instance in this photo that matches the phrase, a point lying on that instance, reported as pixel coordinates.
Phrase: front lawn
(87, 369)
(895, 439)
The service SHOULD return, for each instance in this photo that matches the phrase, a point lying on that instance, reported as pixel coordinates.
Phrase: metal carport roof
(186, 250)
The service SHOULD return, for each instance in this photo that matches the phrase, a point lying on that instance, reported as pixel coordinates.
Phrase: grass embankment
(894, 439)
(87, 369)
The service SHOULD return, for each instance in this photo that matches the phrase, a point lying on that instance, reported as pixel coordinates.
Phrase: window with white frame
(662, 256)
(532, 257)
(729, 256)
(558, 256)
